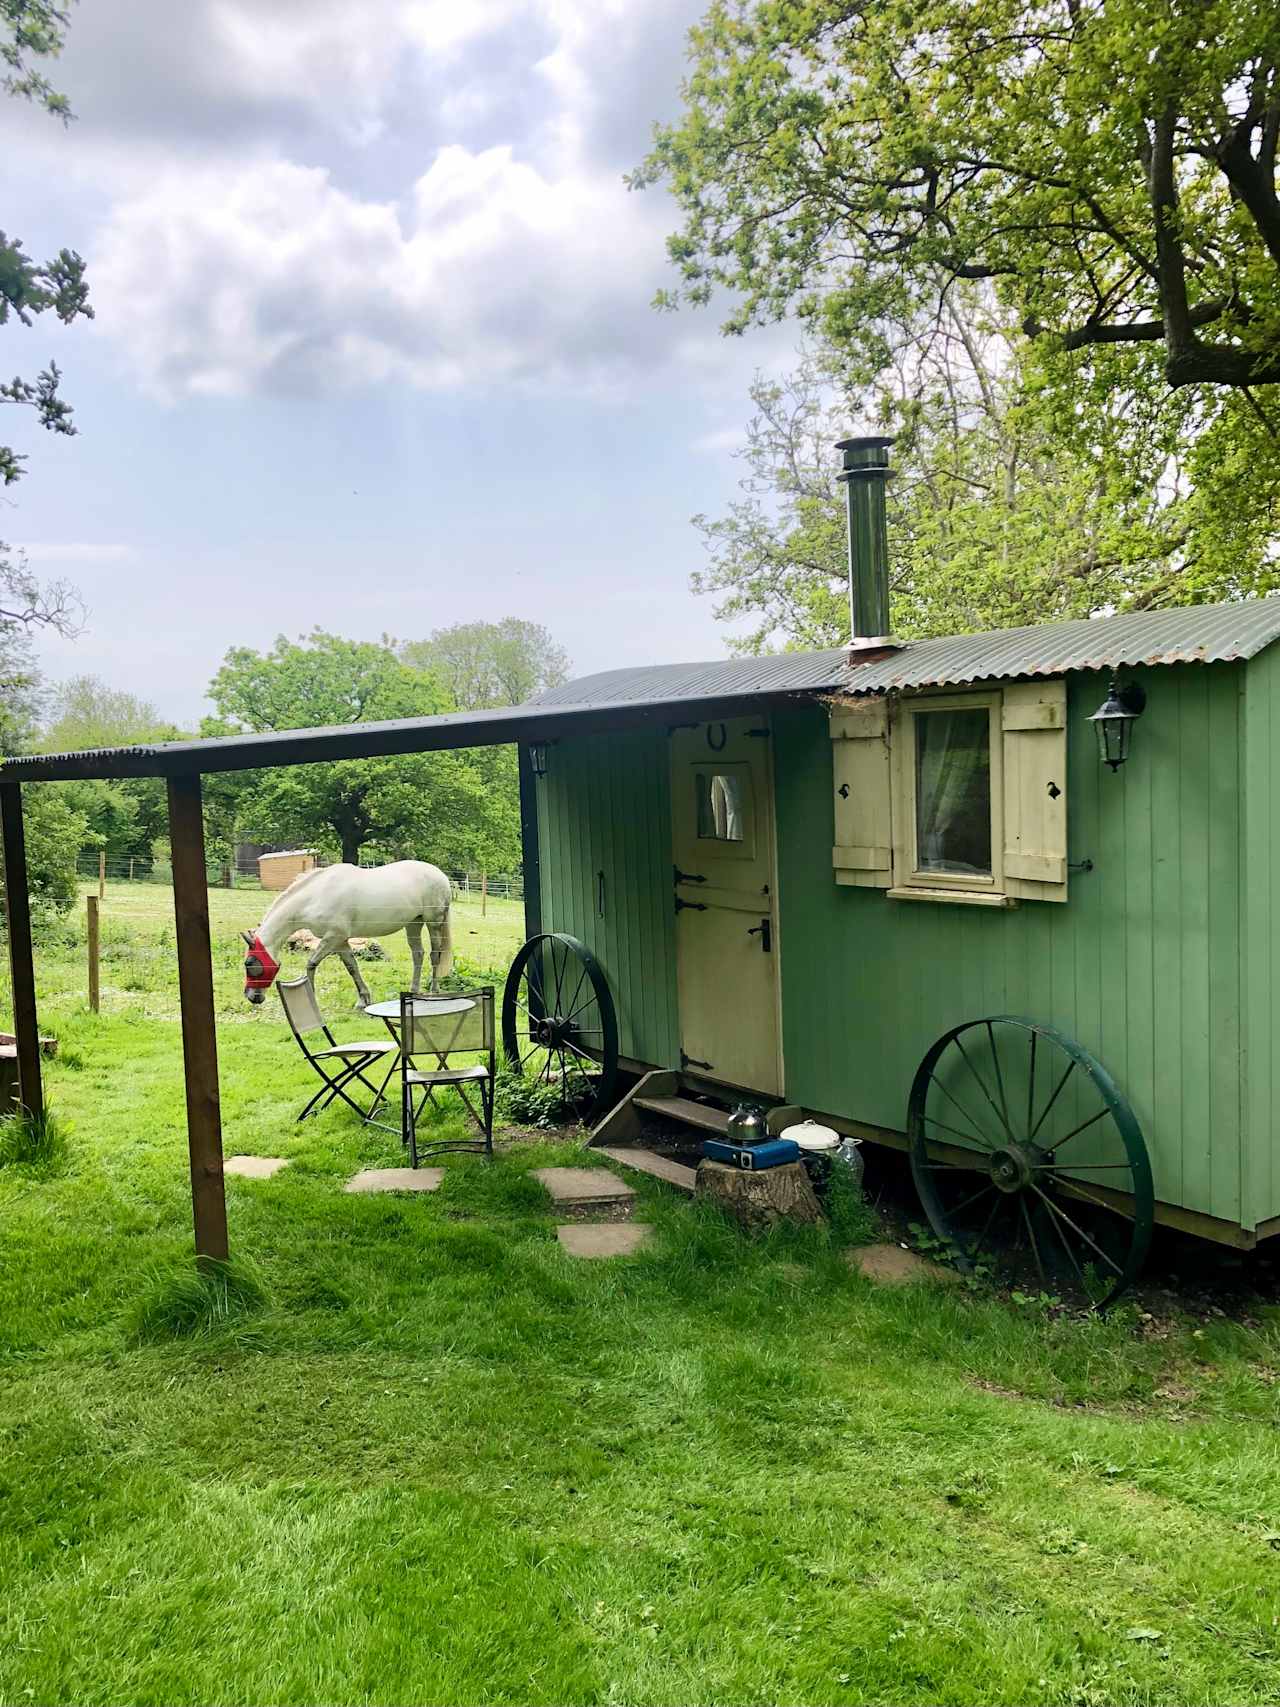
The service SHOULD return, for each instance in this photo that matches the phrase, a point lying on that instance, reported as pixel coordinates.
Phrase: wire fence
(91, 863)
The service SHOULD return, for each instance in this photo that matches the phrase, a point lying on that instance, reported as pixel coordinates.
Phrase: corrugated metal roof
(1191, 634)
(788, 672)
(725, 687)
(443, 733)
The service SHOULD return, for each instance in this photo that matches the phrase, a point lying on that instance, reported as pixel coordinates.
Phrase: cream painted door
(726, 917)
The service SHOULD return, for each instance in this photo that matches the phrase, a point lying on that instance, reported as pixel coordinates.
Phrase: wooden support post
(131, 868)
(93, 904)
(102, 873)
(22, 966)
(199, 1037)
(484, 893)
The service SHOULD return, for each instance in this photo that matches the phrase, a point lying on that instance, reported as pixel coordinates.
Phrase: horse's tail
(442, 945)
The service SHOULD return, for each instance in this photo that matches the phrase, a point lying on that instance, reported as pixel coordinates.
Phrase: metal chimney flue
(865, 474)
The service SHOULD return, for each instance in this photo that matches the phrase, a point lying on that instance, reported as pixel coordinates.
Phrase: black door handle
(764, 930)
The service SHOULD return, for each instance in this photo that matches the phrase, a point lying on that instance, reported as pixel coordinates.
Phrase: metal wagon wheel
(559, 1026)
(1018, 1135)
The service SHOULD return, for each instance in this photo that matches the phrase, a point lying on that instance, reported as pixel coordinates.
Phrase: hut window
(721, 806)
(953, 792)
(953, 797)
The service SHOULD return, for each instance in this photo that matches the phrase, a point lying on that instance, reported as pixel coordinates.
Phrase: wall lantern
(1114, 720)
(538, 758)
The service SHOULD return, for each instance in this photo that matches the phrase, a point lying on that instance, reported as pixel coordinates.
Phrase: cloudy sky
(373, 346)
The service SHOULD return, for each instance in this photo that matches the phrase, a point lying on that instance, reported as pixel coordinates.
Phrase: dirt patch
(894, 1265)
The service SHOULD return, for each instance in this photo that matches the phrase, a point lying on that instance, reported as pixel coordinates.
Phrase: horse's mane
(299, 882)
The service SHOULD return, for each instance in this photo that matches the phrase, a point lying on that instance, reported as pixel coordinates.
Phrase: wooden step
(685, 1111)
(645, 1162)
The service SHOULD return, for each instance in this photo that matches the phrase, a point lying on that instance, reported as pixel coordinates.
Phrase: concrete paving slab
(893, 1265)
(612, 1239)
(254, 1167)
(396, 1179)
(584, 1185)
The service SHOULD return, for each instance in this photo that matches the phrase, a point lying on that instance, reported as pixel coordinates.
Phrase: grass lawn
(439, 1461)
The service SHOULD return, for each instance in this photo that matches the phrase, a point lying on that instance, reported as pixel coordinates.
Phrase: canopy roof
(728, 687)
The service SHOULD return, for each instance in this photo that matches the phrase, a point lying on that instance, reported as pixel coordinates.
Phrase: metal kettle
(747, 1125)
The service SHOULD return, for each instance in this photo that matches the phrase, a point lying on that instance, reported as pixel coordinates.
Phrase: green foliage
(55, 833)
(1043, 247)
(452, 808)
(181, 1302)
(31, 30)
(486, 664)
(1111, 166)
(1012, 503)
(86, 713)
(38, 1145)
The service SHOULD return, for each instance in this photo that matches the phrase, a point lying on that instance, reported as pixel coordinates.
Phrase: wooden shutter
(863, 851)
(1034, 719)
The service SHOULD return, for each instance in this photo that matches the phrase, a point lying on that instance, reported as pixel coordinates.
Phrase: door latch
(764, 930)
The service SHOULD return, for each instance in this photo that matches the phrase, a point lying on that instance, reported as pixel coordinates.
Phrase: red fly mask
(259, 969)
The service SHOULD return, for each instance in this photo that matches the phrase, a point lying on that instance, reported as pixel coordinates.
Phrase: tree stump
(760, 1200)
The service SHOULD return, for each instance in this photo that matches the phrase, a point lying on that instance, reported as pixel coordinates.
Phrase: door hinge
(694, 906)
(760, 734)
(686, 876)
(691, 1061)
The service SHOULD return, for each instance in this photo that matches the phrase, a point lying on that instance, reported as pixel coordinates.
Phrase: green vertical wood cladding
(1260, 958)
(604, 806)
(1142, 964)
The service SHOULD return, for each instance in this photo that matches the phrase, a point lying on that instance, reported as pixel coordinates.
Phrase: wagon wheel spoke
(956, 1132)
(963, 1110)
(1083, 1127)
(1078, 1230)
(1031, 1234)
(1071, 1067)
(983, 1085)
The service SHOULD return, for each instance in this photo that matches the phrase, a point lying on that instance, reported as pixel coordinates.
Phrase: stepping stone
(254, 1167)
(611, 1239)
(396, 1179)
(574, 1187)
(891, 1265)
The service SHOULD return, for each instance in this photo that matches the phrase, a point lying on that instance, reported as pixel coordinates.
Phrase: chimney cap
(869, 441)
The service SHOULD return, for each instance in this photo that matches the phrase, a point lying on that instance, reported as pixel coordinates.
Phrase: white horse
(338, 902)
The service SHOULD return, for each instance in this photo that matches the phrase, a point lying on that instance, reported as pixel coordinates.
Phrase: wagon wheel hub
(551, 1031)
(1012, 1168)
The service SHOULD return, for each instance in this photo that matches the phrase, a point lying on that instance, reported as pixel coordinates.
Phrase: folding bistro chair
(435, 1028)
(348, 1060)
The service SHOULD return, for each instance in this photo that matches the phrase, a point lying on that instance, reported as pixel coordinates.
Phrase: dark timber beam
(22, 966)
(530, 864)
(199, 1037)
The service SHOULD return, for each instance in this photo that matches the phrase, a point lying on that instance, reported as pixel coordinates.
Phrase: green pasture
(413, 1453)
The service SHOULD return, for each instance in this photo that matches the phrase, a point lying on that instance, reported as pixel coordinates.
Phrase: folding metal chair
(440, 1027)
(348, 1059)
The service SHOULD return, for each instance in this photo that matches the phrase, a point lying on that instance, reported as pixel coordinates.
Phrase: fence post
(131, 868)
(484, 893)
(92, 903)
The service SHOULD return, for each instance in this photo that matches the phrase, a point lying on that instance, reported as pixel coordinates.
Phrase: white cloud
(272, 277)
